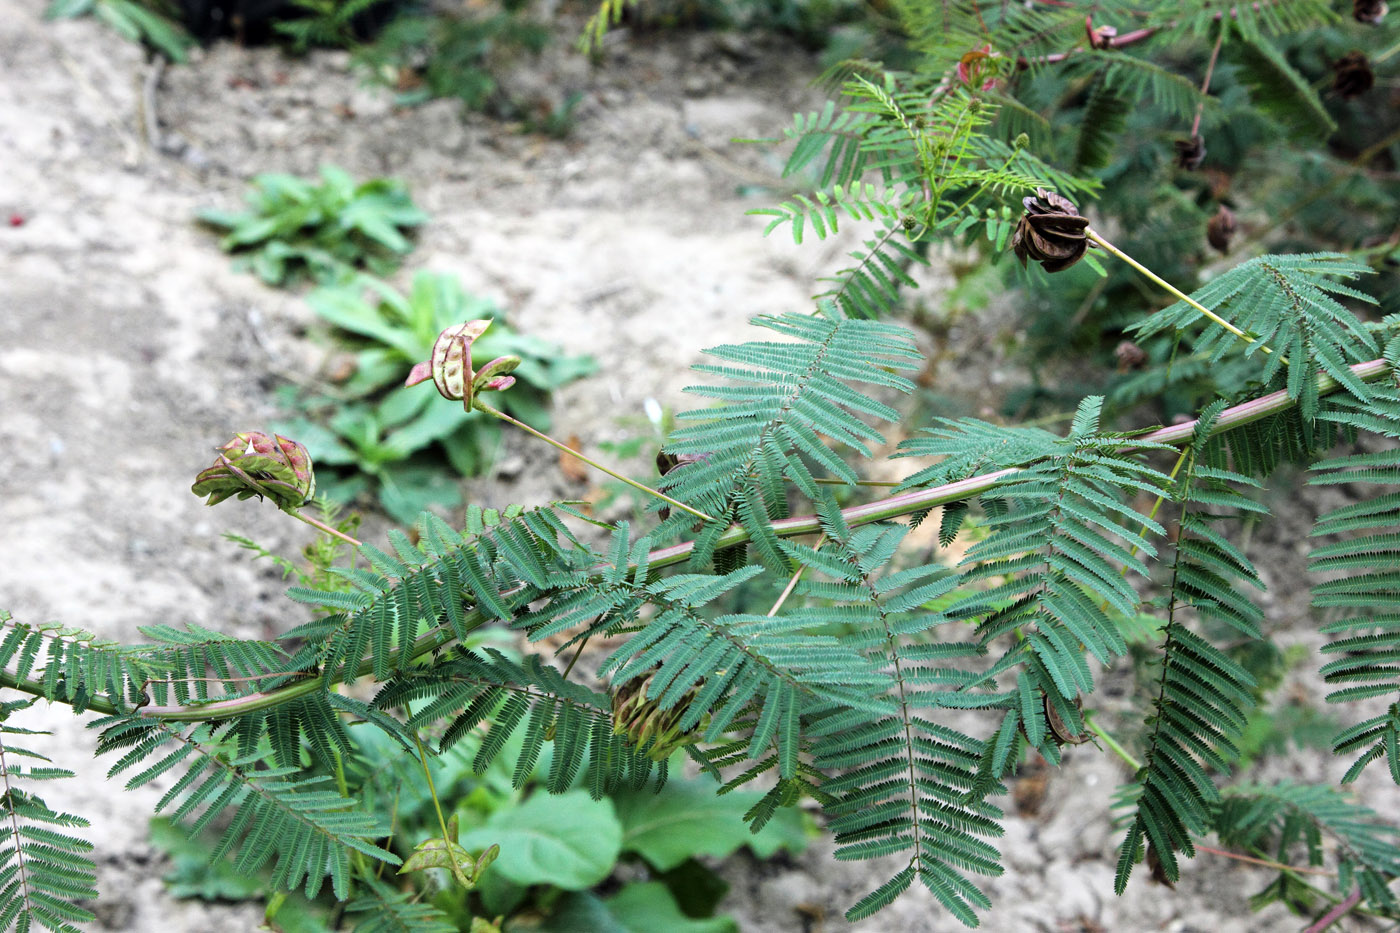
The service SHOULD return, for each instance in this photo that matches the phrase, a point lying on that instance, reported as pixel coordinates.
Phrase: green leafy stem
(880, 510)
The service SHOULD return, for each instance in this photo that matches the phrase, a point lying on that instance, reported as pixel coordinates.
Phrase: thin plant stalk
(1112, 743)
(792, 583)
(316, 523)
(1205, 84)
(1094, 235)
(593, 463)
(1266, 863)
(833, 481)
(1336, 913)
(264, 492)
(447, 840)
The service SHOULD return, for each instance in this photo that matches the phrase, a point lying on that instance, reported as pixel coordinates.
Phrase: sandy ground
(128, 348)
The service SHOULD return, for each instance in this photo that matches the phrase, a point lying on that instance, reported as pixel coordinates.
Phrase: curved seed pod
(1220, 229)
(450, 366)
(666, 462)
(452, 358)
(263, 465)
(1190, 153)
(495, 375)
(1058, 729)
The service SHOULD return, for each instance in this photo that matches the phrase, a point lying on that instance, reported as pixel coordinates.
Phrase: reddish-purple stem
(1336, 913)
(1205, 85)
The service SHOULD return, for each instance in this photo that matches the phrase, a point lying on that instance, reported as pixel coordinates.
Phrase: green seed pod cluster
(256, 464)
(642, 720)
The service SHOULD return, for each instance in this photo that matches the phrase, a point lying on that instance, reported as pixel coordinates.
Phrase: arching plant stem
(1094, 235)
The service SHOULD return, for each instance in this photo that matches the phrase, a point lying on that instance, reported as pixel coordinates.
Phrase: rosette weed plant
(379, 437)
(295, 229)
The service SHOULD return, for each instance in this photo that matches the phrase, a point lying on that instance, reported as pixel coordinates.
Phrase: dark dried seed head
(1190, 153)
(1051, 232)
(1369, 11)
(1352, 75)
(1129, 356)
(1221, 228)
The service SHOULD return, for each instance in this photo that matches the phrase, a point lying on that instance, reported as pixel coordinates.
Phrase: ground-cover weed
(153, 23)
(295, 229)
(384, 438)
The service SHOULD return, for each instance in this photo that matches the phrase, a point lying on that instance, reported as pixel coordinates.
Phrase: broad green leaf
(401, 405)
(160, 32)
(570, 841)
(688, 818)
(408, 489)
(650, 907)
(346, 308)
(638, 908)
(213, 216)
(436, 423)
(116, 17)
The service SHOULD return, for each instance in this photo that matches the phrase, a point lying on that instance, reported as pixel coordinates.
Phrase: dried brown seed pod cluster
(1051, 232)
(1130, 356)
(1190, 153)
(1352, 75)
(643, 720)
(1369, 11)
(1220, 229)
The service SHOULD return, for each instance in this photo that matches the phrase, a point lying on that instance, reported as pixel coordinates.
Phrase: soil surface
(129, 348)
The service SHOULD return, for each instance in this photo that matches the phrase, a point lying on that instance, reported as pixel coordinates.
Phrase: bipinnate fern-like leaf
(1280, 91)
(768, 430)
(450, 581)
(911, 158)
(838, 138)
(901, 782)
(1138, 79)
(1362, 568)
(1289, 304)
(277, 813)
(968, 446)
(469, 690)
(380, 908)
(1203, 695)
(1276, 820)
(193, 664)
(1051, 570)
(1104, 115)
(1200, 18)
(713, 669)
(44, 867)
(872, 287)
